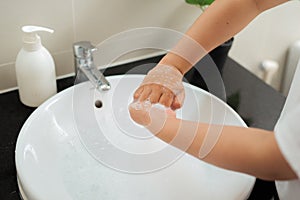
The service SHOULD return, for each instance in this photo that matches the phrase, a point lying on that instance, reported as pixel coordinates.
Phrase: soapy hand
(151, 116)
(163, 84)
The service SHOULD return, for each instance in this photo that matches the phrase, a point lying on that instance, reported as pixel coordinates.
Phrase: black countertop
(256, 102)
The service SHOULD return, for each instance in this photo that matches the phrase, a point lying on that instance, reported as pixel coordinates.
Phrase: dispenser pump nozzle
(31, 39)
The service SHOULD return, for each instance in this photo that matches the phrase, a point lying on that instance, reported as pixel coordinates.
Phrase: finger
(146, 93)
(177, 101)
(166, 99)
(175, 104)
(155, 94)
(138, 92)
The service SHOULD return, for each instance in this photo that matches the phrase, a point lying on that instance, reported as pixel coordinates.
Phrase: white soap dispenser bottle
(35, 69)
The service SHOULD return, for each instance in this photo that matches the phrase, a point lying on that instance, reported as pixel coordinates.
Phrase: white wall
(76, 20)
(268, 37)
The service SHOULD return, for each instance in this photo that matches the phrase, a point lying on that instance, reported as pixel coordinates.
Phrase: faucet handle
(83, 49)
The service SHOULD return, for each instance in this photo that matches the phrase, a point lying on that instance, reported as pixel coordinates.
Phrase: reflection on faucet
(83, 54)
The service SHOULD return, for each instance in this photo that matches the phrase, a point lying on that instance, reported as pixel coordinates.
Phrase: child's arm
(220, 21)
(248, 150)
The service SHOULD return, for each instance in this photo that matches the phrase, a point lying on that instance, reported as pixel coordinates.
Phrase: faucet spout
(83, 54)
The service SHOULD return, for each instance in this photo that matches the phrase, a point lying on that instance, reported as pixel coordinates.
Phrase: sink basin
(82, 144)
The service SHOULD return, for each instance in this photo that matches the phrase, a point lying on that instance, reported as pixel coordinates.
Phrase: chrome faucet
(83, 54)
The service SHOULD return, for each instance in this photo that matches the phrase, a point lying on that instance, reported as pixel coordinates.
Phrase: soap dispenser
(35, 69)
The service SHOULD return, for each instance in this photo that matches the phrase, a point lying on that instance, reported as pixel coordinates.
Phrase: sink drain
(98, 104)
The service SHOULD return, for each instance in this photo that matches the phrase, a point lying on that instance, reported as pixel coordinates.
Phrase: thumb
(158, 116)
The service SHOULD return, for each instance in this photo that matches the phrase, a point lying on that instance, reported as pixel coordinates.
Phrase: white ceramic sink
(70, 149)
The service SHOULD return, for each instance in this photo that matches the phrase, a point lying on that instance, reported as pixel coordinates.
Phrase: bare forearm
(247, 150)
(225, 18)
(221, 21)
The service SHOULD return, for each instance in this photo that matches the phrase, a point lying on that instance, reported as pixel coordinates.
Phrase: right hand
(163, 84)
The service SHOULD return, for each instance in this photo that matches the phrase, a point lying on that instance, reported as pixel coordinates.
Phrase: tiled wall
(76, 20)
